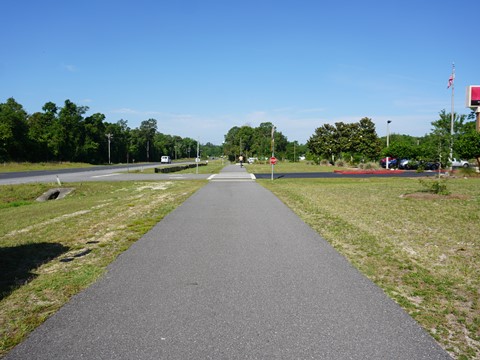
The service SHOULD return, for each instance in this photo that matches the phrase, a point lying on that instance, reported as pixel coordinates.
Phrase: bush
(340, 163)
(368, 166)
(438, 187)
(467, 172)
(324, 162)
(170, 169)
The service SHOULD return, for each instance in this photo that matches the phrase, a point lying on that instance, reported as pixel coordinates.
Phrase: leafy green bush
(436, 186)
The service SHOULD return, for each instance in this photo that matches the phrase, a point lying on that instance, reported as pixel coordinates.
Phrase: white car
(251, 160)
(165, 160)
(459, 163)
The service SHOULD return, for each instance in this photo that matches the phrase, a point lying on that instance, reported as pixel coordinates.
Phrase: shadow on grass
(18, 262)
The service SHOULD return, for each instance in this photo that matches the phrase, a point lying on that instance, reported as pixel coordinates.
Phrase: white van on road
(165, 160)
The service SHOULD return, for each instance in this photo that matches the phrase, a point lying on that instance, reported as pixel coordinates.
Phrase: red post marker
(273, 160)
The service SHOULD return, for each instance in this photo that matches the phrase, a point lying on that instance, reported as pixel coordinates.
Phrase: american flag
(452, 77)
(450, 81)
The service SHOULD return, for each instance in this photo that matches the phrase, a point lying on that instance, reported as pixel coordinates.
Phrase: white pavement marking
(99, 176)
(232, 176)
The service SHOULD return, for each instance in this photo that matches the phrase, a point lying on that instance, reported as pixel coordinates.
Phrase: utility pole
(109, 137)
(198, 154)
(148, 150)
(388, 141)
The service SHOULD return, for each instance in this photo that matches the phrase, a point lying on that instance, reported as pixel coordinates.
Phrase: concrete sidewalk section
(232, 173)
(231, 274)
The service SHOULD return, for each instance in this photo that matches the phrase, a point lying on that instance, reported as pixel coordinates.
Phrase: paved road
(125, 173)
(314, 175)
(230, 274)
(100, 173)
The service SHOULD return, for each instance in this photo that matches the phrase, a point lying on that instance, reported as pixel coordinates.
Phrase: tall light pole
(148, 150)
(388, 141)
(198, 154)
(109, 137)
(388, 132)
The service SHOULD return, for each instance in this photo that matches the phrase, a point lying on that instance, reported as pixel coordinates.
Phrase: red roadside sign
(273, 160)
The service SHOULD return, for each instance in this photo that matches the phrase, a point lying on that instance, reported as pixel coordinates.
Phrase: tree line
(440, 144)
(358, 142)
(66, 134)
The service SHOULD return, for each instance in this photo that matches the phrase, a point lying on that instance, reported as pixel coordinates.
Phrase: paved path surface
(230, 274)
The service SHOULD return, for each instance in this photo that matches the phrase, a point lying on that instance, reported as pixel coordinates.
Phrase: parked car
(430, 165)
(392, 162)
(165, 160)
(407, 164)
(459, 163)
(251, 160)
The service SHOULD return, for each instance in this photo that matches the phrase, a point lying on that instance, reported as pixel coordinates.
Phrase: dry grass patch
(423, 250)
(52, 250)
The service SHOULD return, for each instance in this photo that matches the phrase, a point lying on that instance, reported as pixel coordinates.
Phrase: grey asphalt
(232, 273)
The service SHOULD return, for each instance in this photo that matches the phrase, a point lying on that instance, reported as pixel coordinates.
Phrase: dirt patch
(430, 196)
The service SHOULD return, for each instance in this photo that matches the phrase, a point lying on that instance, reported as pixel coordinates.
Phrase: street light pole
(388, 140)
(388, 132)
(109, 137)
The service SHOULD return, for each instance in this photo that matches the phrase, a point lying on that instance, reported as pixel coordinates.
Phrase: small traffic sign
(273, 160)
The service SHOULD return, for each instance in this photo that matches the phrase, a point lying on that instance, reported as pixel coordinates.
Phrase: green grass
(41, 243)
(213, 167)
(422, 249)
(26, 166)
(288, 167)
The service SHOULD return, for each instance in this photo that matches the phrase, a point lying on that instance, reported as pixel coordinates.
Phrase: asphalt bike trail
(232, 273)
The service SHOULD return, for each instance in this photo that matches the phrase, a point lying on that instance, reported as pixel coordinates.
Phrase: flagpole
(452, 113)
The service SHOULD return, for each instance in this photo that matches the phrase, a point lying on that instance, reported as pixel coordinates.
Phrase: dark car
(392, 162)
(430, 165)
(407, 164)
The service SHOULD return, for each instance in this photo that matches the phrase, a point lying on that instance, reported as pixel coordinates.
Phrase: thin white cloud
(70, 68)
(312, 110)
(124, 111)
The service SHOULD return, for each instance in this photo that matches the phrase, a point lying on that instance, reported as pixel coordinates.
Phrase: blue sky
(202, 67)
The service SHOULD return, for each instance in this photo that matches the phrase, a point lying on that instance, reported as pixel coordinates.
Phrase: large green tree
(41, 126)
(442, 137)
(147, 131)
(93, 142)
(68, 131)
(355, 141)
(13, 131)
(254, 142)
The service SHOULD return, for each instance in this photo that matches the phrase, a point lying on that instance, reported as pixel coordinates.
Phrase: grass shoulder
(423, 251)
(51, 250)
(288, 167)
(26, 166)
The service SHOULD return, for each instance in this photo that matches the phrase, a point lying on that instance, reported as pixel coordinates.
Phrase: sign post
(273, 160)
(473, 102)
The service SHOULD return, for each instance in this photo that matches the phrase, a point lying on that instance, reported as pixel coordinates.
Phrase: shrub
(437, 186)
(467, 171)
(340, 163)
(324, 162)
(371, 166)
